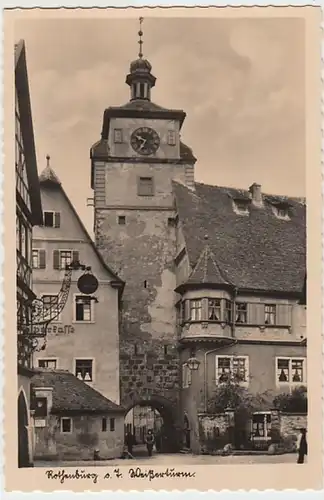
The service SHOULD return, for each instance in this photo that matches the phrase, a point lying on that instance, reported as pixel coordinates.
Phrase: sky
(240, 82)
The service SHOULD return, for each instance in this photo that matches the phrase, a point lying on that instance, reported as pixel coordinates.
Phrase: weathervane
(140, 34)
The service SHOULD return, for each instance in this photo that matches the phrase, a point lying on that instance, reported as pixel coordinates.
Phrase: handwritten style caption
(131, 473)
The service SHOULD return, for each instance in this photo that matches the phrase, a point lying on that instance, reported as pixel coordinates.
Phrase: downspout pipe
(216, 349)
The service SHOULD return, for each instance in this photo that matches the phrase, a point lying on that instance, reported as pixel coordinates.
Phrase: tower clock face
(145, 141)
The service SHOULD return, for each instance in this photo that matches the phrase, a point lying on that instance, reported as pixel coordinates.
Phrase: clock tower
(132, 168)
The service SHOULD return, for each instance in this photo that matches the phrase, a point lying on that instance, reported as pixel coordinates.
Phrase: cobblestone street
(178, 459)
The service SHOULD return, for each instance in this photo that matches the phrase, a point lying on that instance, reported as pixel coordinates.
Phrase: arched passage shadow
(23, 438)
(168, 438)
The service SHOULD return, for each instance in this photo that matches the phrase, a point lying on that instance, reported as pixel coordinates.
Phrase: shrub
(295, 402)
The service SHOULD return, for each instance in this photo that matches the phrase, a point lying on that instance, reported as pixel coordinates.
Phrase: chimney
(256, 194)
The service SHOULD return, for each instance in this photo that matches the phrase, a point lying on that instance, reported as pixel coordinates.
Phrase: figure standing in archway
(149, 439)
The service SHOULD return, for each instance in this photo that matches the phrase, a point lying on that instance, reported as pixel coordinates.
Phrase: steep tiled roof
(207, 270)
(258, 251)
(48, 178)
(73, 395)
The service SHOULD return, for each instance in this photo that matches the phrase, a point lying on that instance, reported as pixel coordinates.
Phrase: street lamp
(193, 365)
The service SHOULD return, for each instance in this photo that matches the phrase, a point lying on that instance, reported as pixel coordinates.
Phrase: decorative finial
(48, 160)
(140, 34)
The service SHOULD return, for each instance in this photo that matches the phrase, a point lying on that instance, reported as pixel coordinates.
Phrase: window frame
(243, 383)
(246, 322)
(58, 319)
(61, 250)
(85, 358)
(191, 309)
(92, 312)
(274, 314)
(290, 382)
(53, 212)
(48, 358)
(186, 376)
(140, 186)
(171, 139)
(112, 424)
(116, 132)
(71, 425)
(218, 308)
(121, 218)
(104, 420)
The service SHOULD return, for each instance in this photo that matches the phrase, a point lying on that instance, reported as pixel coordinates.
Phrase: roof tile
(258, 251)
(72, 394)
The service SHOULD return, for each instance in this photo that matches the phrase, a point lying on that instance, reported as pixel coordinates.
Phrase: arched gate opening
(157, 415)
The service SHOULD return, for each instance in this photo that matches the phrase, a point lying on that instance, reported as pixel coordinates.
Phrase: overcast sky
(240, 81)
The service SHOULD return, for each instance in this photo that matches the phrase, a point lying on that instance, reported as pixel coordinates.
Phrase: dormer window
(241, 206)
(281, 211)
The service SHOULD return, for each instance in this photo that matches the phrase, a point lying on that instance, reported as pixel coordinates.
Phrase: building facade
(28, 214)
(84, 338)
(214, 272)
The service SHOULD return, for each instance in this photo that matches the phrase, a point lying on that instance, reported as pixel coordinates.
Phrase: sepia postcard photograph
(163, 294)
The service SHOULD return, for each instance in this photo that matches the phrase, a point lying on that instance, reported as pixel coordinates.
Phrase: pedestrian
(129, 441)
(301, 446)
(149, 439)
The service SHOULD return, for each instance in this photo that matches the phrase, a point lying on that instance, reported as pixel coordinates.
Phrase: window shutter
(42, 259)
(57, 219)
(75, 256)
(252, 314)
(260, 314)
(283, 316)
(56, 259)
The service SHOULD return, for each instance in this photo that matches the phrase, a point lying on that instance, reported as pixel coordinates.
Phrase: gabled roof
(256, 252)
(49, 179)
(73, 395)
(26, 122)
(206, 272)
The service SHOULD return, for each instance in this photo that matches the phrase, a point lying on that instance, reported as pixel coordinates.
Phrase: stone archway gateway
(167, 437)
(23, 438)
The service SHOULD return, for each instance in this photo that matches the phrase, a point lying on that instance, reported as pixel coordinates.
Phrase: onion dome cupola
(140, 78)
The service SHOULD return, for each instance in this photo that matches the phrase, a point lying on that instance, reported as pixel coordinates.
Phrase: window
(186, 376)
(104, 425)
(228, 311)
(232, 367)
(83, 369)
(51, 308)
(145, 186)
(241, 207)
(63, 258)
(171, 138)
(281, 211)
(195, 310)
(52, 219)
(291, 371)
(165, 347)
(172, 222)
(270, 314)
(47, 363)
(183, 312)
(118, 135)
(40, 407)
(38, 258)
(214, 309)
(121, 220)
(83, 309)
(66, 425)
(241, 312)
(112, 424)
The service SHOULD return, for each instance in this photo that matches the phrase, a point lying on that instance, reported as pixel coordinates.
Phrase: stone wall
(86, 437)
(290, 424)
(143, 249)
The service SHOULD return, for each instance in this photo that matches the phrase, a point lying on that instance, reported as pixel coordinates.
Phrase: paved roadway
(177, 459)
